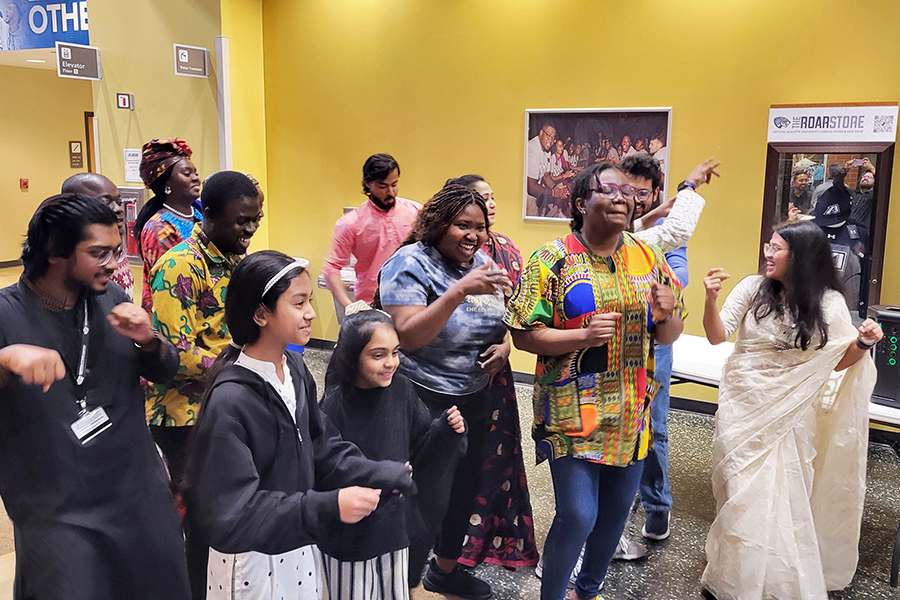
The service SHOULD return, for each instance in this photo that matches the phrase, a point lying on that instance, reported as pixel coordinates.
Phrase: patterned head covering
(160, 154)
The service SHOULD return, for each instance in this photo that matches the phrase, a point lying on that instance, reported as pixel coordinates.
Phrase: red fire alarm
(23, 184)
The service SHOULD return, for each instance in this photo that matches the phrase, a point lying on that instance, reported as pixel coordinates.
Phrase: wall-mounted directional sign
(191, 61)
(78, 62)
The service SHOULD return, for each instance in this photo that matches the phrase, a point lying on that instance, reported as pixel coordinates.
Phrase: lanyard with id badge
(90, 422)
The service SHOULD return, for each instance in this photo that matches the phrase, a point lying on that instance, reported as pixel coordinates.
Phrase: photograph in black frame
(561, 142)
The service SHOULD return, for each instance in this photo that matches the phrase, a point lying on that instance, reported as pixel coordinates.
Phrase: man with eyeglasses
(540, 189)
(97, 186)
(81, 480)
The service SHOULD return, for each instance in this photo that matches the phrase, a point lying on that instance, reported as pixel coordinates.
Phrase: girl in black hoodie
(378, 409)
(269, 476)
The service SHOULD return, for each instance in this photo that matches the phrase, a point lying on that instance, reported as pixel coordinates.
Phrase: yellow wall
(242, 24)
(444, 87)
(135, 39)
(40, 114)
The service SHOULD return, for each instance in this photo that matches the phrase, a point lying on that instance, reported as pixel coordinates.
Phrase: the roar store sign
(41, 23)
(833, 123)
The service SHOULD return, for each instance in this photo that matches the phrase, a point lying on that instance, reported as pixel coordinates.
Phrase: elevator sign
(191, 61)
(78, 62)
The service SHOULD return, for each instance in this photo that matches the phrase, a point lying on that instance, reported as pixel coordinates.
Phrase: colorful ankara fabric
(501, 249)
(189, 284)
(501, 528)
(163, 231)
(160, 154)
(593, 403)
(124, 277)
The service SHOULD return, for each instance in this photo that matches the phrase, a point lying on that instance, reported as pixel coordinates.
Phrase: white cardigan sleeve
(678, 227)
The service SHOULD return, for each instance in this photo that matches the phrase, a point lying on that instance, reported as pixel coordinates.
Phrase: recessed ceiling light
(35, 60)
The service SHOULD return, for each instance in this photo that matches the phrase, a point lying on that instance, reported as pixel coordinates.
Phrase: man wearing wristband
(81, 480)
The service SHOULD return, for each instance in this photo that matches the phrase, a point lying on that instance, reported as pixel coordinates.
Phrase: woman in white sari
(789, 452)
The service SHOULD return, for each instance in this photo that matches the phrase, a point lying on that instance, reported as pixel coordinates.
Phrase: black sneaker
(459, 582)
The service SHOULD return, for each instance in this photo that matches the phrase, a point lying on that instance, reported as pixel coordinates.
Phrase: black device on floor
(887, 387)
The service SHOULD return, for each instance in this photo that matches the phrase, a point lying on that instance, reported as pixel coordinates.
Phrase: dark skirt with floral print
(501, 529)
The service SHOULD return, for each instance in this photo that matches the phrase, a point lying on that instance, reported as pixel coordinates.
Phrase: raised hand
(456, 420)
(870, 332)
(486, 279)
(35, 365)
(131, 321)
(662, 301)
(703, 172)
(713, 283)
(356, 503)
(601, 329)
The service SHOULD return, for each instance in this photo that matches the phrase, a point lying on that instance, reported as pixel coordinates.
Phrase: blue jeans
(656, 496)
(592, 506)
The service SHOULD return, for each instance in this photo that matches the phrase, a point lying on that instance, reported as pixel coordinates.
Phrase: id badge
(91, 424)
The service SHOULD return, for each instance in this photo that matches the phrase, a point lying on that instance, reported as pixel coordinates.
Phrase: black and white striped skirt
(380, 578)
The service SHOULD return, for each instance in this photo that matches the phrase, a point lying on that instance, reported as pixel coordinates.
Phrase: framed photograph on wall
(559, 143)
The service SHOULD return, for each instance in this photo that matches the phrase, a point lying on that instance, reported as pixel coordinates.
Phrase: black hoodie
(258, 482)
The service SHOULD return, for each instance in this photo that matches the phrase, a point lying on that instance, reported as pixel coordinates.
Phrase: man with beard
(862, 198)
(371, 232)
(188, 285)
(81, 479)
(97, 186)
(799, 196)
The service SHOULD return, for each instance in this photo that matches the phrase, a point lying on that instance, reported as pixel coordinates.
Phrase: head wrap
(160, 154)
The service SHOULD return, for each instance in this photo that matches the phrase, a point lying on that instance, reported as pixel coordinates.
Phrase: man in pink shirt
(371, 232)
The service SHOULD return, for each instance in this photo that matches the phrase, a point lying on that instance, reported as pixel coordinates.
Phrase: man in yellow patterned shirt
(188, 285)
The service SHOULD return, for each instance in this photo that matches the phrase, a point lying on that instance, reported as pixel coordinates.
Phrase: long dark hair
(245, 295)
(356, 332)
(153, 205)
(811, 273)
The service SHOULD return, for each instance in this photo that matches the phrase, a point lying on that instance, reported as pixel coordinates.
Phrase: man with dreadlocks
(79, 474)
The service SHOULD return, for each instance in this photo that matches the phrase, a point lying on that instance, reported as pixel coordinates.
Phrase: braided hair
(57, 226)
(438, 213)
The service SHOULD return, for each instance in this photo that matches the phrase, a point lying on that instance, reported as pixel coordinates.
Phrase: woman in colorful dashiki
(169, 216)
(789, 450)
(590, 305)
(501, 528)
(446, 298)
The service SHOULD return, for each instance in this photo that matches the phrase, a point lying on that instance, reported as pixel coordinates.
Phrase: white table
(695, 360)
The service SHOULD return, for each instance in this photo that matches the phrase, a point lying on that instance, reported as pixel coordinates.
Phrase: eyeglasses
(771, 249)
(611, 190)
(552, 136)
(642, 194)
(107, 254)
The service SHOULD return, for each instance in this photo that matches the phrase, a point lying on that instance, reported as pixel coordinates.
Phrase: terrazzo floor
(672, 568)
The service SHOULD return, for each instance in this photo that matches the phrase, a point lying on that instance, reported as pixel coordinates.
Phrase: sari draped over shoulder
(789, 458)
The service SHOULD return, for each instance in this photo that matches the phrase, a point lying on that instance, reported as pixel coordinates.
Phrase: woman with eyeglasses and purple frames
(590, 304)
(789, 451)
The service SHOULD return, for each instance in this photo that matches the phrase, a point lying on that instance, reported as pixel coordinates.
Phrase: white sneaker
(629, 550)
(539, 569)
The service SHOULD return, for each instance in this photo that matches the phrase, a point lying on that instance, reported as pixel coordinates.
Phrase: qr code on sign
(884, 124)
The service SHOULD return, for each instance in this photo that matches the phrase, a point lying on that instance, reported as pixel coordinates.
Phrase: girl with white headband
(268, 474)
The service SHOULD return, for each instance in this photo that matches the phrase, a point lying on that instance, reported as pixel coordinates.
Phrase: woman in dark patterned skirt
(501, 530)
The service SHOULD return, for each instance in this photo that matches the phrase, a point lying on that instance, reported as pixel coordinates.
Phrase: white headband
(298, 262)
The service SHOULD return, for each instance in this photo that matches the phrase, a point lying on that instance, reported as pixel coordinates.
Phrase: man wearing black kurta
(79, 475)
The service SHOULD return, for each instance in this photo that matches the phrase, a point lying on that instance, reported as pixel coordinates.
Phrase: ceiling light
(35, 60)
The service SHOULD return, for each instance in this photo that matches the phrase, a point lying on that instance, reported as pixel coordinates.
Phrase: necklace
(179, 213)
